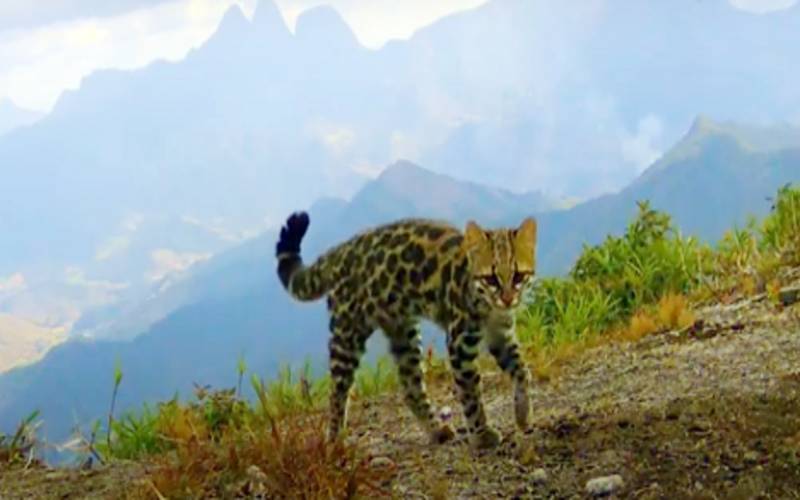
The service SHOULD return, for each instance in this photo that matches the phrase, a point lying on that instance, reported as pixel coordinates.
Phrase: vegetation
(644, 281)
(622, 289)
(20, 446)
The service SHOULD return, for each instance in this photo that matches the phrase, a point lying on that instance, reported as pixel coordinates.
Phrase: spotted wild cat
(392, 276)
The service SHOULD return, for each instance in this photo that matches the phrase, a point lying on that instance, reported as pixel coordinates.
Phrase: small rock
(789, 295)
(539, 476)
(751, 456)
(381, 462)
(256, 475)
(601, 486)
(55, 475)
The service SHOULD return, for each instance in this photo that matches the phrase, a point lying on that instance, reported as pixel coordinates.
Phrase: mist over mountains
(543, 102)
(13, 117)
(233, 304)
(143, 208)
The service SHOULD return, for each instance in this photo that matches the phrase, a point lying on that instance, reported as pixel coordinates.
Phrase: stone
(256, 475)
(539, 476)
(789, 295)
(606, 485)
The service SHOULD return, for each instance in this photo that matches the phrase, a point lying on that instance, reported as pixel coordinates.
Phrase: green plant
(117, 382)
(241, 369)
(371, 380)
(136, 433)
(16, 447)
(780, 231)
(611, 281)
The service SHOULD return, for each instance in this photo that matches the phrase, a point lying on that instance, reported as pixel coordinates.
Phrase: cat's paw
(486, 439)
(522, 408)
(443, 434)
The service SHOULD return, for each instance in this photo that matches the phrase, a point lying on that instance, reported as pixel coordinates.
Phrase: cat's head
(502, 261)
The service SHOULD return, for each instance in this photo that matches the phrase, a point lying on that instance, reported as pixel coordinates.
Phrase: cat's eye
(492, 281)
(518, 277)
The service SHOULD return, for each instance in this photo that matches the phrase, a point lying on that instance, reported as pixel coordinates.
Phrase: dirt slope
(711, 412)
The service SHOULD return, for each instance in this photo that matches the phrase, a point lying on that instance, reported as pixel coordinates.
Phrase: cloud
(120, 242)
(337, 139)
(219, 228)
(20, 14)
(76, 276)
(367, 169)
(48, 48)
(166, 262)
(36, 65)
(14, 283)
(762, 6)
(639, 148)
(404, 147)
(111, 247)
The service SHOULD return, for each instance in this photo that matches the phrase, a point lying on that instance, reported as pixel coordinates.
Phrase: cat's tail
(304, 283)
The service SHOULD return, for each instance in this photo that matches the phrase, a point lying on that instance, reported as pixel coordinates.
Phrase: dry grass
(674, 312)
(286, 458)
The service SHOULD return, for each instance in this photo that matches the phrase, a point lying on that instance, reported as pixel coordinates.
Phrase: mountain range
(143, 208)
(544, 100)
(232, 304)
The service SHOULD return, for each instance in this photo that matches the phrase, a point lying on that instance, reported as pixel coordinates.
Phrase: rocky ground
(709, 412)
(712, 411)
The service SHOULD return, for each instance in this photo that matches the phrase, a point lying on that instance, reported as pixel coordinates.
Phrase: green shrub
(611, 281)
(780, 231)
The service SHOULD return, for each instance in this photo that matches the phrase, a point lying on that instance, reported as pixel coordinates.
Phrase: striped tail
(302, 283)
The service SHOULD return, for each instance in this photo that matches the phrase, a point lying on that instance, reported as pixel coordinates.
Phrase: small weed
(674, 312)
(641, 325)
(221, 446)
(21, 446)
(372, 380)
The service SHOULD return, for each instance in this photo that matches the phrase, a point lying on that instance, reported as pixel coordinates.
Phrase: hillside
(706, 411)
(716, 177)
(231, 305)
(659, 363)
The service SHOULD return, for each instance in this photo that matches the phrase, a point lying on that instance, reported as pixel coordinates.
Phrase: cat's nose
(507, 298)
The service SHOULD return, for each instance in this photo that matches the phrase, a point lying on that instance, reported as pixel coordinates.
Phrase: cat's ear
(525, 245)
(473, 235)
(526, 233)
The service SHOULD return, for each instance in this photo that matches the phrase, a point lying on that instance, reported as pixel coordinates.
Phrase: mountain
(128, 195)
(592, 95)
(13, 117)
(717, 176)
(141, 172)
(231, 305)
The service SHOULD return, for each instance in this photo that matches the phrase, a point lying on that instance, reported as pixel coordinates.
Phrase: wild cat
(390, 277)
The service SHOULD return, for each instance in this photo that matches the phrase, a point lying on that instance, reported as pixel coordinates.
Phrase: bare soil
(709, 412)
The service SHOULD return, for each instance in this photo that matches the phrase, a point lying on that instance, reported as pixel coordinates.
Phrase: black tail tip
(292, 234)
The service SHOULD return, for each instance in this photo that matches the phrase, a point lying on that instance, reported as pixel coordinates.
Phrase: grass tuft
(20, 447)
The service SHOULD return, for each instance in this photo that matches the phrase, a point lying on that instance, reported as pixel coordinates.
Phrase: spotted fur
(392, 276)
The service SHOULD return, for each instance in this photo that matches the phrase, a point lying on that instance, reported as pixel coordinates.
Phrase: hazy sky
(47, 47)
